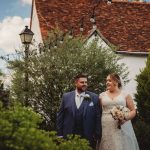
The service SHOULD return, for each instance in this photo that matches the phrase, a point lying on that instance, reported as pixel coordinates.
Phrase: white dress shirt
(79, 98)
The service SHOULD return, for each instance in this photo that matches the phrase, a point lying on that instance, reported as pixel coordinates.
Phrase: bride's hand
(122, 122)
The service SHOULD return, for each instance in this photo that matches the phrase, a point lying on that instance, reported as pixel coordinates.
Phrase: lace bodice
(108, 103)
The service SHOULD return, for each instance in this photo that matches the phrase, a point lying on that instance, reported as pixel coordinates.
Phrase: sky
(14, 15)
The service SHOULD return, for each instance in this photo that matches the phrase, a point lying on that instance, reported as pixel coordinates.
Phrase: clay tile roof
(126, 24)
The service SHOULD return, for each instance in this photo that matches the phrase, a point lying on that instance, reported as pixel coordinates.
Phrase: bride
(113, 137)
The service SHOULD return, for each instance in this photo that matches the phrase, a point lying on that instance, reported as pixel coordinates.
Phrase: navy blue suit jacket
(91, 116)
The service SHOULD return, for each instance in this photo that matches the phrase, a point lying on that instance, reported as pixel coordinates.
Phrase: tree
(142, 97)
(51, 72)
(4, 93)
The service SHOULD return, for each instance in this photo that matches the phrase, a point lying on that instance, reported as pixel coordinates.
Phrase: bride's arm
(131, 106)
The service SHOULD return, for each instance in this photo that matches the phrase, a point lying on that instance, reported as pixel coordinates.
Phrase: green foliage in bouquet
(52, 69)
(19, 130)
(142, 98)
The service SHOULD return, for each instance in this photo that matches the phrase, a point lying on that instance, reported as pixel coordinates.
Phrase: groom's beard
(82, 89)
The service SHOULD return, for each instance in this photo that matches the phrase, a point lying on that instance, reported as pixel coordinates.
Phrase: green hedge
(19, 130)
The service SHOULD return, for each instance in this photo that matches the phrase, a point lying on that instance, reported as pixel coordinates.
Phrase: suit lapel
(73, 105)
(86, 103)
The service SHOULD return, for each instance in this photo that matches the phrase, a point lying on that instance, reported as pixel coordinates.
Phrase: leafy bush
(19, 131)
(4, 95)
(142, 131)
(142, 98)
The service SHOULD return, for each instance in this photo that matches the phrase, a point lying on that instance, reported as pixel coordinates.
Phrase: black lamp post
(26, 37)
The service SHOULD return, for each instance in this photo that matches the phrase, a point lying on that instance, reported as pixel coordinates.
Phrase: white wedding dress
(112, 137)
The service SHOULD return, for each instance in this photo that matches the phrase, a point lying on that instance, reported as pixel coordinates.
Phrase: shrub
(19, 131)
(142, 98)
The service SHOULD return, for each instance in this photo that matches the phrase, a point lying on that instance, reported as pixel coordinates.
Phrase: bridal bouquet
(120, 113)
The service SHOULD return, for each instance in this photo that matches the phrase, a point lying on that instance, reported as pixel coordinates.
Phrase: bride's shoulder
(102, 94)
(124, 93)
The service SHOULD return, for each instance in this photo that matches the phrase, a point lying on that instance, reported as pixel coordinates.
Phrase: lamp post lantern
(26, 37)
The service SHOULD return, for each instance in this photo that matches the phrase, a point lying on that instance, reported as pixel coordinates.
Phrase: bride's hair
(116, 78)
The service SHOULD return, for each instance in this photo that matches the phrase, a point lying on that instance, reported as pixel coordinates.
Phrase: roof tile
(126, 24)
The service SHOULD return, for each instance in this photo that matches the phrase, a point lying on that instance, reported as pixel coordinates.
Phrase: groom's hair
(80, 76)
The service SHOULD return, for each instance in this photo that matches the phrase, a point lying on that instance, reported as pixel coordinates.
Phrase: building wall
(134, 64)
(99, 40)
(35, 27)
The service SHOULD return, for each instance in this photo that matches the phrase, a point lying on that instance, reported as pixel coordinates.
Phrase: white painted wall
(35, 27)
(99, 41)
(134, 64)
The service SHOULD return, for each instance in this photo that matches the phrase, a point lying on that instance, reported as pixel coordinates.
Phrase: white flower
(87, 97)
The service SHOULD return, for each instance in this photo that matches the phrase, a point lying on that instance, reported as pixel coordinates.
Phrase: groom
(80, 113)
